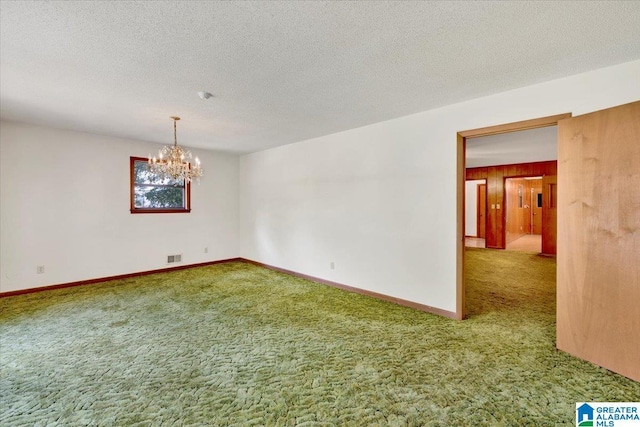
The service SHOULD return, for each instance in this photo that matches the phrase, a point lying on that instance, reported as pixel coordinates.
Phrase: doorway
(475, 213)
(500, 160)
(536, 208)
(523, 208)
(601, 264)
(492, 204)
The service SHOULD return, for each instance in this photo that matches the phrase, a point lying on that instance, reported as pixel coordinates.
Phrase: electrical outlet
(206, 250)
(332, 265)
(40, 269)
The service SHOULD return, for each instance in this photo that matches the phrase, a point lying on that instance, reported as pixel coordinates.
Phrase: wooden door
(512, 189)
(598, 317)
(536, 210)
(549, 213)
(482, 210)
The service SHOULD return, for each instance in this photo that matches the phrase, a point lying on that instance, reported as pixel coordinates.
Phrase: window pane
(151, 193)
(142, 175)
(159, 197)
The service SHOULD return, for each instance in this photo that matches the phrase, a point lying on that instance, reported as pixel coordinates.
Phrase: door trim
(540, 122)
(461, 146)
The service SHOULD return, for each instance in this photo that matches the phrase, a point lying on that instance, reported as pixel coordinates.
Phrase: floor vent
(173, 258)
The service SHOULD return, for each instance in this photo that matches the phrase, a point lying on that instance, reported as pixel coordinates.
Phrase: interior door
(482, 210)
(598, 316)
(536, 210)
(549, 214)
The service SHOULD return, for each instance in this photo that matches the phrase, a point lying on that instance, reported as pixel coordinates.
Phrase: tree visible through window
(151, 193)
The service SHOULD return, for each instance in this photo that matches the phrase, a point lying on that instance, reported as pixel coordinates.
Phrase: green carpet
(236, 344)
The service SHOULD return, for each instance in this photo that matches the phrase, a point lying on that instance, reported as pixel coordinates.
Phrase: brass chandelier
(174, 162)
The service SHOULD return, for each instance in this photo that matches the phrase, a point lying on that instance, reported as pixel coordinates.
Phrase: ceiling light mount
(204, 95)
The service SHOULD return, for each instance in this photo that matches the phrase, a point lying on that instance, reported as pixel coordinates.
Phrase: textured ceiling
(282, 72)
(534, 145)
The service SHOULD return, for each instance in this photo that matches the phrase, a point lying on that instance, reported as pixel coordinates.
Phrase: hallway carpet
(236, 344)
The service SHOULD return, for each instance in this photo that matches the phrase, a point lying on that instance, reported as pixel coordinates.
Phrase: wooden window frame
(134, 210)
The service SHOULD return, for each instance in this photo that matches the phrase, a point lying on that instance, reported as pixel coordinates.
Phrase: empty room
(259, 213)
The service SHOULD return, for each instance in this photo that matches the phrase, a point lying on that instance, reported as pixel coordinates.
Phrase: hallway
(526, 243)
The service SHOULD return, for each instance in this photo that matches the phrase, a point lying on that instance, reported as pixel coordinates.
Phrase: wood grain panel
(512, 222)
(476, 173)
(549, 214)
(518, 215)
(492, 191)
(500, 216)
(528, 217)
(598, 312)
(481, 211)
(536, 209)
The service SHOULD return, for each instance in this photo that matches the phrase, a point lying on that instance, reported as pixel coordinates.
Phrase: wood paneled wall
(496, 218)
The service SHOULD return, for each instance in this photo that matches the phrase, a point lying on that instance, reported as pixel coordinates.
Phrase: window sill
(153, 211)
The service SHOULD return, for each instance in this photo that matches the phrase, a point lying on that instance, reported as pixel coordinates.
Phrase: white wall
(380, 201)
(65, 205)
(471, 206)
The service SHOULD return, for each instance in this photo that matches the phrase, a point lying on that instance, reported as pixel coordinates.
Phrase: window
(153, 194)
